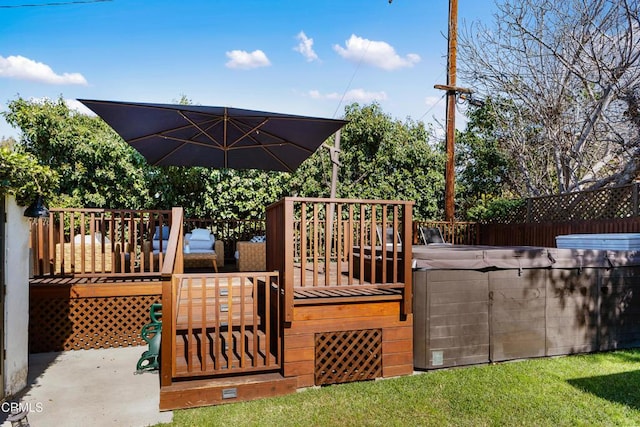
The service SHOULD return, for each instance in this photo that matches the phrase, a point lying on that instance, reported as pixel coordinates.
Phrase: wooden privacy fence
(544, 234)
(606, 203)
(539, 220)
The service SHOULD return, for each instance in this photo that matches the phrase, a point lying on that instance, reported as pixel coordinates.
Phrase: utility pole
(449, 174)
(452, 93)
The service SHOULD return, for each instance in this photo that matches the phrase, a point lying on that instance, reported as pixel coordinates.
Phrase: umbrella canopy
(220, 137)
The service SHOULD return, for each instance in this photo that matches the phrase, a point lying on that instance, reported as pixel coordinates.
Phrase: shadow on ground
(619, 388)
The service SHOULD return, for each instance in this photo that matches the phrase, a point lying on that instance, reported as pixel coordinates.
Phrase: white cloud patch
(375, 53)
(247, 60)
(305, 47)
(21, 68)
(354, 95)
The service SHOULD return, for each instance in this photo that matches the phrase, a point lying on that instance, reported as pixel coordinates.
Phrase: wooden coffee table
(200, 260)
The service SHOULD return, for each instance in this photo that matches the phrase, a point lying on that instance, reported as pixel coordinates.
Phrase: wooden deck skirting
(79, 315)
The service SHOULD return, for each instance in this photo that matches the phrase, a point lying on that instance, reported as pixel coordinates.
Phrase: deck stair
(216, 391)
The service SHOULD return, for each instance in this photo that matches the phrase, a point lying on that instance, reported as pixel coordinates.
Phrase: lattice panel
(87, 323)
(607, 203)
(590, 205)
(348, 356)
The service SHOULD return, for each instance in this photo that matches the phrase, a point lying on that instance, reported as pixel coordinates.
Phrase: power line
(435, 104)
(352, 77)
(66, 3)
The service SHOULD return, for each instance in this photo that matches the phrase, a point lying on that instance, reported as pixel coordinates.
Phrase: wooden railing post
(407, 257)
(166, 342)
(288, 237)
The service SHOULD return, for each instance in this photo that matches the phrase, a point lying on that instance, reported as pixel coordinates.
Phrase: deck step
(217, 391)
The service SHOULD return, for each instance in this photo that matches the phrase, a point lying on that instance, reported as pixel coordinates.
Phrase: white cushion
(156, 245)
(258, 239)
(200, 234)
(87, 238)
(195, 245)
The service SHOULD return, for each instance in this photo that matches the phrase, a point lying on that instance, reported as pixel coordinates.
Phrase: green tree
(217, 193)
(96, 167)
(482, 168)
(22, 176)
(569, 70)
(380, 158)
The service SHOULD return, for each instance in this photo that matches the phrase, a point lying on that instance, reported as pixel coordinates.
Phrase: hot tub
(480, 304)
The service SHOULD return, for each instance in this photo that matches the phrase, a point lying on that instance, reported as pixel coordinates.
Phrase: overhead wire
(65, 3)
(344, 93)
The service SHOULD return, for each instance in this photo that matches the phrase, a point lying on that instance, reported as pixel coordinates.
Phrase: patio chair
(389, 236)
(251, 256)
(432, 235)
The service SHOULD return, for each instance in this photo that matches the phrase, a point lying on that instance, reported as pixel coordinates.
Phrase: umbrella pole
(334, 153)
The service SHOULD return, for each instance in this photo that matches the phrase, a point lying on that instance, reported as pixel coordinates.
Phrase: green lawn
(586, 390)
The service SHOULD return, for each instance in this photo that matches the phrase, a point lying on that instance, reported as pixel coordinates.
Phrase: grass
(584, 390)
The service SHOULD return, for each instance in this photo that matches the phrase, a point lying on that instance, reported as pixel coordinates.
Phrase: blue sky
(289, 56)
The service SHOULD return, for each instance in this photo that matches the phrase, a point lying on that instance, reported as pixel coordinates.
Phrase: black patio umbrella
(220, 137)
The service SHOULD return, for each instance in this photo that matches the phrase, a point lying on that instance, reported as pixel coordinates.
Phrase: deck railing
(224, 323)
(339, 243)
(95, 241)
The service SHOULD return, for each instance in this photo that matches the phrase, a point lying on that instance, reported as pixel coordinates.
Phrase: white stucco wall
(16, 307)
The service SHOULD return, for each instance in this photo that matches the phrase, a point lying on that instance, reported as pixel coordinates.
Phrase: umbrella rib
(197, 126)
(189, 141)
(163, 133)
(247, 134)
(268, 151)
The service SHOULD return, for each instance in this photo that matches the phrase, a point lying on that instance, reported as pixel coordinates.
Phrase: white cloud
(247, 60)
(21, 68)
(375, 53)
(305, 47)
(354, 95)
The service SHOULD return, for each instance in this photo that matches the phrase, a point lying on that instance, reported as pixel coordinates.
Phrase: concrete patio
(90, 388)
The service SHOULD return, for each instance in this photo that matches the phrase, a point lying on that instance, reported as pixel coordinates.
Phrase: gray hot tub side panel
(572, 311)
(566, 301)
(517, 313)
(619, 308)
(450, 318)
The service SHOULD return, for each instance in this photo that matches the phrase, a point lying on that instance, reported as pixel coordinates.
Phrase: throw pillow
(165, 233)
(200, 234)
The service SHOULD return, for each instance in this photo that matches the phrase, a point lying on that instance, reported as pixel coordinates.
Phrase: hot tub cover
(463, 257)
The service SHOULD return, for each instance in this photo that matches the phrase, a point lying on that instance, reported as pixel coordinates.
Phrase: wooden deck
(320, 314)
